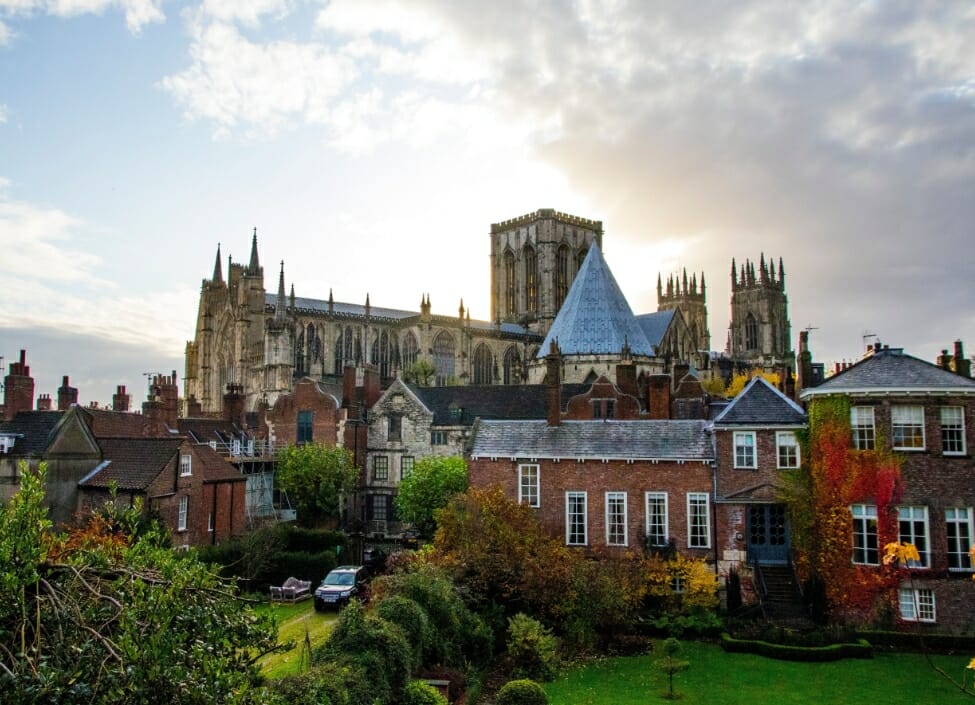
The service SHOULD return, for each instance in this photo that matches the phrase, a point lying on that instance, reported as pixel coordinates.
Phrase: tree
(741, 379)
(428, 489)
(671, 663)
(101, 615)
(316, 477)
(420, 373)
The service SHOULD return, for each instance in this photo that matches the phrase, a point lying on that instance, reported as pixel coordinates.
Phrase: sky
(373, 142)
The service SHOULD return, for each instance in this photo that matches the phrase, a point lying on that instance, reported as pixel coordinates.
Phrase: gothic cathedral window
(483, 365)
(509, 283)
(443, 357)
(751, 333)
(511, 365)
(531, 277)
(411, 350)
(561, 275)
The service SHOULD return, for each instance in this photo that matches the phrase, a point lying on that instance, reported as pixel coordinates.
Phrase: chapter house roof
(890, 371)
(761, 404)
(665, 440)
(655, 325)
(595, 318)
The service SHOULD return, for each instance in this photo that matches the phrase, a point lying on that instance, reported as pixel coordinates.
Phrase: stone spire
(280, 305)
(217, 270)
(255, 264)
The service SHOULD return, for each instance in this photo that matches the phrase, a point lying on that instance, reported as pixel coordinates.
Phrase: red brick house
(925, 414)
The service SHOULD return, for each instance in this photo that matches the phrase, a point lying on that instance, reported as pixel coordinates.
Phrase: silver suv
(340, 586)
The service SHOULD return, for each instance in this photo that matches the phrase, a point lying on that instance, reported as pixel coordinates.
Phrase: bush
(325, 684)
(377, 647)
(420, 693)
(521, 692)
(833, 652)
(412, 619)
(531, 648)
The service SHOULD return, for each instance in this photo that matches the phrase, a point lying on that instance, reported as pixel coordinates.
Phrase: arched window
(411, 350)
(381, 352)
(511, 366)
(358, 346)
(443, 357)
(347, 358)
(483, 365)
(339, 363)
(751, 333)
(581, 257)
(561, 275)
(299, 360)
(509, 283)
(314, 351)
(531, 280)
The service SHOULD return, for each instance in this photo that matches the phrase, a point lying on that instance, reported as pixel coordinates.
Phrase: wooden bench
(293, 590)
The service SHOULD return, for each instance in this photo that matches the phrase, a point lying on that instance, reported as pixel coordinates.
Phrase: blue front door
(768, 534)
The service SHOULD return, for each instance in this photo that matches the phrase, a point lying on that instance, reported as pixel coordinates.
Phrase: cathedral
(548, 279)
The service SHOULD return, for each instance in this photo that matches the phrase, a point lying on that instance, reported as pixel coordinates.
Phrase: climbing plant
(819, 496)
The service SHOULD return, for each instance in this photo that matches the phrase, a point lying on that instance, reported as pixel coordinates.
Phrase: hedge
(833, 652)
(911, 641)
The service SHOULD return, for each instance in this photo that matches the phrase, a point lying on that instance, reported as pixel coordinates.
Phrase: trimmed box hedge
(833, 652)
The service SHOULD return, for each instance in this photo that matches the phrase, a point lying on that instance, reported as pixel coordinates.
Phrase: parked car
(340, 586)
(410, 539)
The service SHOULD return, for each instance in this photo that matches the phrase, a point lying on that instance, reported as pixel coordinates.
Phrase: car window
(339, 579)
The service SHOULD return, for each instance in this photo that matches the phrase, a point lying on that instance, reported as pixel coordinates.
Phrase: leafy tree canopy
(428, 489)
(100, 615)
(315, 477)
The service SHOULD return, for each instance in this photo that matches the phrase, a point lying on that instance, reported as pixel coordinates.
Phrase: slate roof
(655, 325)
(595, 318)
(132, 463)
(203, 430)
(630, 440)
(114, 424)
(516, 401)
(890, 371)
(379, 313)
(36, 429)
(761, 404)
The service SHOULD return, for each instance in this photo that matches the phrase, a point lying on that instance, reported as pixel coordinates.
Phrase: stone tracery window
(511, 365)
(531, 280)
(561, 275)
(483, 365)
(443, 357)
(509, 283)
(410, 349)
(751, 333)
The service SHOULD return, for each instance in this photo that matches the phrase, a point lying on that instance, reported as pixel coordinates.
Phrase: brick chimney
(626, 378)
(963, 366)
(120, 400)
(371, 389)
(804, 373)
(18, 388)
(194, 408)
(553, 382)
(233, 404)
(67, 395)
(160, 409)
(44, 402)
(658, 396)
(348, 391)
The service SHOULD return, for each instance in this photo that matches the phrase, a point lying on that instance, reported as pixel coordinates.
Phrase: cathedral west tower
(760, 332)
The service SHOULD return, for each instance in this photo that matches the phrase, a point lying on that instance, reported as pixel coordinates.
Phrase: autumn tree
(100, 615)
(316, 477)
(428, 488)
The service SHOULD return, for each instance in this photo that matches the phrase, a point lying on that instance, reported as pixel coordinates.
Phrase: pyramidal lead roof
(595, 318)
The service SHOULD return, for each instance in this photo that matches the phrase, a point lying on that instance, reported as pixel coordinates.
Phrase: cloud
(138, 13)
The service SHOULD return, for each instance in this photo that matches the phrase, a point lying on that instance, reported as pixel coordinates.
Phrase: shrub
(833, 652)
(521, 692)
(531, 648)
(412, 619)
(379, 648)
(420, 693)
(325, 684)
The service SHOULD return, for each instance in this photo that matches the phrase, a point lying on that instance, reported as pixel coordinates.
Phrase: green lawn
(292, 621)
(744, 679)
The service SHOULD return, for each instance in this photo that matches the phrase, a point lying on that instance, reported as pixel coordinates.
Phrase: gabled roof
(629, 440)
(655, 325)
(214, 467)
(114, 424)
(33, 430)
(761, 404)
(890, 371)
(132, 463)
(595, 318)
(203, 430)
(459, 406)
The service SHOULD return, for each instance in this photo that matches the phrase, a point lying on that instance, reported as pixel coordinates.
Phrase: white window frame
(570, 496)
(862, 515)
(786, 440)
(184, 507)
(745, 441)
(913, 528)
(185, 464)
(529, 484)
(210, 523)
(655, 497)
(616, 524)
(917, 604)
(961, 519)
(905, 421)
(863, 422)
(698, 499)
(954, 426)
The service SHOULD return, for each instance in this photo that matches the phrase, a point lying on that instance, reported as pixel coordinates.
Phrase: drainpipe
(714, 497)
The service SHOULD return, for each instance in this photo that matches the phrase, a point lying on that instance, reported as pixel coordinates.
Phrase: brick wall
(282, 418)
(596, 478)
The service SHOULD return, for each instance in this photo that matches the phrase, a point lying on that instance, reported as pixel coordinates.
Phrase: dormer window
(185, 464)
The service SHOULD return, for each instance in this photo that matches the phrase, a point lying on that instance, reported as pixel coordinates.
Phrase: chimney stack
(44, 402)
(233, 404)
(120, 400)
(67, 395)
(161, 408)
(553, 382)
(18, 388)
(804, 374)
(963, 366)
(658, 397)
